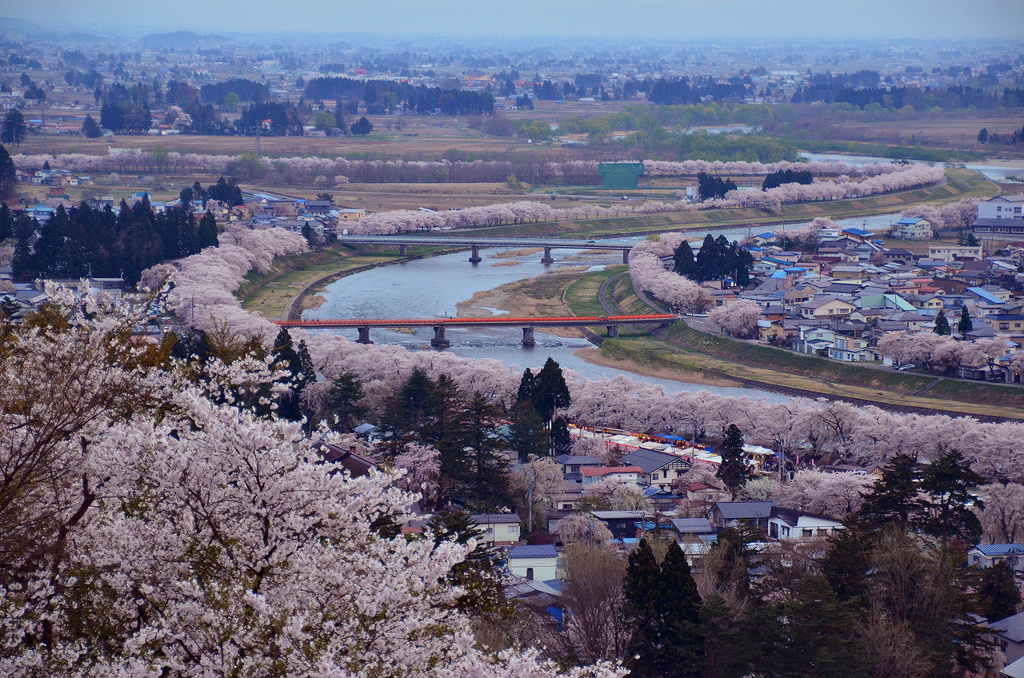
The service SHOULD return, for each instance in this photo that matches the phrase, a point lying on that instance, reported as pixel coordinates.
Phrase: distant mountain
(179, 39)
(20, 27)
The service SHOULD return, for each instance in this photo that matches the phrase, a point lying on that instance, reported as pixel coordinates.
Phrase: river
(434, 286)
(996, 170)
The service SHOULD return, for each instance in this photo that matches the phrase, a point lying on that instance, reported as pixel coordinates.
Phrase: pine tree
(640, 591)
(941, 324)
(683, 260)
(847, 560)
(734, 470)
(206, 234)
(947, 510)
(561, 442)
(90, 128)
(287, 358)
(526, 384)
(998, 592)
(8, 176)
(679, 621)
(893, 497)
(344, 402)
(965, 325)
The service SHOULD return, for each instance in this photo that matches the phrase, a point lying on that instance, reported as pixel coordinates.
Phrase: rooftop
(538, 551)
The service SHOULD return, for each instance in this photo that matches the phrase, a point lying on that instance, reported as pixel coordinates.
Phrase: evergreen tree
(550, 392)
(287, 358)
(8, 176)
(526, 384)
(847, 560)
(481, 584)
(679, 618)
(640, 590)
(561, 442)
(893, 497)
(484, 482)
(6, 222)
(344, 402)
(998, 592)
(946, 510)
(965, 325)
(734, 470)
(413, 398)
(527, 434)
(941, 324)
(13, 130)
(90, 128)
(206, 234)
(683, 261)
(815, 636)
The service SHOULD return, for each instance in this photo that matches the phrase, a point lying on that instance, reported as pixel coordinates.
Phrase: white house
(912, 228)
(533, 562)
(499, 529)
(1008, 634)
(627, 474)
(788, 524)
(987, 555)
(1002, 207)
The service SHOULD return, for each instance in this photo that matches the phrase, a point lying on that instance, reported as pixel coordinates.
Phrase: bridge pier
(403, 249)
(528, 339)
(613, 331)
(547, 259)
(364, 336)
(439, 341)
(475, 257)
(625, 256)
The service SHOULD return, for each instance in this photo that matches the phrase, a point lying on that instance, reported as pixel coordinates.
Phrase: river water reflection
(433, 287)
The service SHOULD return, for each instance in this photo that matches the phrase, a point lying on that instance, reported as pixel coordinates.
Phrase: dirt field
(952, 133)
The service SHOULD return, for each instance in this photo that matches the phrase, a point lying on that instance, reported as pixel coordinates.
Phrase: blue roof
(910, 221)
(779, 274)
(857, 231)
(537, 551)
(766, 234)
(1001, 549)
(986, 296)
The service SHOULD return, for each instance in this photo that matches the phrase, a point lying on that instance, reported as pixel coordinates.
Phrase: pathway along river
(433, 287)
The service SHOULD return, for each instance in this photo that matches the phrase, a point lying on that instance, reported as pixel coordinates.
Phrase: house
(857, 235)
(627, 474)
(1001, 230)
(1002, 207)
(692, 527)
(350, 214)
(499, 529)
(949, 253)
(538, 562)
(851, 350)
(796, 525)
(729, 513)
(912, 228)
(1008, 635)
(356, 465)
(572, 466)
(824, 307)
(987, 555)
(898, 255)
(622, 524)
(701, 492)
(567, 496)
(659, 468)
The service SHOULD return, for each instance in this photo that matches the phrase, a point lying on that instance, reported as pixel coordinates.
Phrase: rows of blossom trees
(402, 221)
(292, 169)
(831, 431)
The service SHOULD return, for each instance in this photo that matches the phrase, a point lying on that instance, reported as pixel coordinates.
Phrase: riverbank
(686, 354)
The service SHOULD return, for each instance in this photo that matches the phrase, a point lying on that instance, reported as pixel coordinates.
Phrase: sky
(754, 19)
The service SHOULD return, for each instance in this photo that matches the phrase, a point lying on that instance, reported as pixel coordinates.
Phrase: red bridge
(363, 325)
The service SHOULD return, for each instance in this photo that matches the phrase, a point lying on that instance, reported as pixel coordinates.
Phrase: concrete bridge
(476, 244)
(363, 325)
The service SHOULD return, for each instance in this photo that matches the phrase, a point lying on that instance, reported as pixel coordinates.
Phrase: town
(669, 340)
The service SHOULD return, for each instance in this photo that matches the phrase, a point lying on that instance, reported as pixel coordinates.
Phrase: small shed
(620, 174)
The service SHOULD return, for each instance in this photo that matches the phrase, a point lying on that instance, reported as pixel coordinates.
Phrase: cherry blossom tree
(583, 528)
(616, 495)
(835, 495)
(1003, 515)
(739, 318)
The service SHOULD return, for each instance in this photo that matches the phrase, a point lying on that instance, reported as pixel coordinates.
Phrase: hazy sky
(656, 18)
